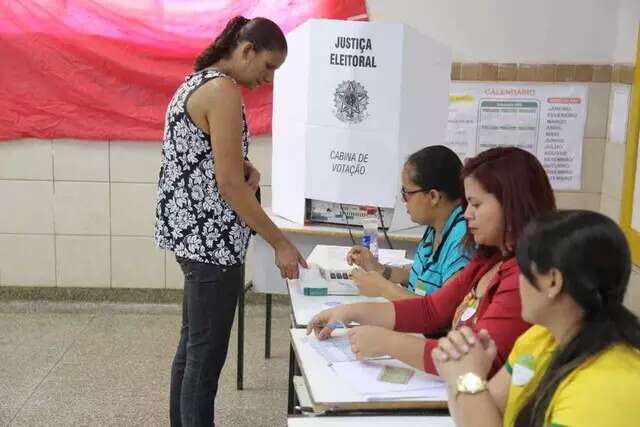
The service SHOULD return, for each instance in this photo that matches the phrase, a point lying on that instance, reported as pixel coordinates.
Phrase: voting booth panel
(351, 102)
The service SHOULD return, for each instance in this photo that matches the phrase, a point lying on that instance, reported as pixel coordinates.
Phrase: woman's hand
(323, 323)
(370, 283)
(251, 175)
(369, 341)
(363, 258)
(288, 259)
(462, 351)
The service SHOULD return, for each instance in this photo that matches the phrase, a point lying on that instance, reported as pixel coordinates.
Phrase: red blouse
(498, 310)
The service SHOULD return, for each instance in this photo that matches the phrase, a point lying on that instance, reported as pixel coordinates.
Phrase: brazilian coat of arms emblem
(350, 102)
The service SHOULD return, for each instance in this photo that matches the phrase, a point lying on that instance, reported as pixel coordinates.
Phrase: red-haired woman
(504, 189)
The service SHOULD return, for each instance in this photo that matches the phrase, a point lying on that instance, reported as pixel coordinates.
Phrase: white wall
(545, 31)
(627, 27)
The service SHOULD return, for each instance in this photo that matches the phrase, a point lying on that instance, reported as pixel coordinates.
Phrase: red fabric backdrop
(106, 69)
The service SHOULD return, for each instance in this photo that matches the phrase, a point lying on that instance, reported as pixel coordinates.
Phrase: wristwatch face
(471, 382)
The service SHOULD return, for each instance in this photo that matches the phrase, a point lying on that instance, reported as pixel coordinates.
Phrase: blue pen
(336, 325)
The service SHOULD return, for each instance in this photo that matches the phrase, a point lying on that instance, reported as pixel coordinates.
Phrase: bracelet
(386, 271)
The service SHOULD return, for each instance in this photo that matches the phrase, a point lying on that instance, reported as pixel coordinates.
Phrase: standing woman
(206, 205)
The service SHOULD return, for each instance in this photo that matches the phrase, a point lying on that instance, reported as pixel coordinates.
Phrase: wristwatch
(470, 383)
(386, 271)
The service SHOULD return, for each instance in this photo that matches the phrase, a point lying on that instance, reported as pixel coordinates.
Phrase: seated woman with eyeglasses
(505, 188)
(431, 190)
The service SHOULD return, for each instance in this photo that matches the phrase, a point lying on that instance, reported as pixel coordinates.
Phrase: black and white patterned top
(192, 218)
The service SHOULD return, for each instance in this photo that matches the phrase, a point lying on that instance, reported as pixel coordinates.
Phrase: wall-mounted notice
(545, 119)
(619, 113)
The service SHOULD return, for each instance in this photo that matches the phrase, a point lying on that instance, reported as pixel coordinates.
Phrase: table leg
(267, 329)
(240, 365)
(291, 393)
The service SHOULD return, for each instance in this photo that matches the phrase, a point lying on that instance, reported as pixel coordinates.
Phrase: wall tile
(175, 278)
(508, 72)
(527, 72)
(265, 193)
(77, 160)
(597, 110)
(260, 155)
(135, 161)
(613, 170)
(27, 260)
(26, 159)
(470, 71)
(602, 73)
(455, 71)
(565, 73)
(577, 200)
(136, 262)
(623, 73)
(27, 207)
(632, 298)
(584, 73)
(611, 207)
(133, 209)
(592, 164)
(488, 72)
(81, 208)
(83, 261)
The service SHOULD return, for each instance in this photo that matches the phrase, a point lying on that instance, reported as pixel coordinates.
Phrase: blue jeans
(208, 308)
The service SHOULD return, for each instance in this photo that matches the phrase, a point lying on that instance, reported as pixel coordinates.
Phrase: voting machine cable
(384, 229)
(344, 214)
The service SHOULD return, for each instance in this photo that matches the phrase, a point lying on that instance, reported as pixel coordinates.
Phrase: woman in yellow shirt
(579, 365)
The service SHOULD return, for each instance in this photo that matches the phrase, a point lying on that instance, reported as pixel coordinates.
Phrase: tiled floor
(87, 364)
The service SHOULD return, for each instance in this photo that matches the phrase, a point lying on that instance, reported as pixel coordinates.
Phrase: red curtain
(106, 69)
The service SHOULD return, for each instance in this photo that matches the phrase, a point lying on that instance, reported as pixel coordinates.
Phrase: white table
(304, 307)
(266, 277)
(365, 421)
(329, 392)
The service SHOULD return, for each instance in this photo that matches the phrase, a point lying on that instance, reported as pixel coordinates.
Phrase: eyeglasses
(405, 194)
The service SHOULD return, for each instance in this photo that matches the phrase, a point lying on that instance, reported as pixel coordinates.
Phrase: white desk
(327, 390)
(304, 307)
(360, 421)
(266, 277)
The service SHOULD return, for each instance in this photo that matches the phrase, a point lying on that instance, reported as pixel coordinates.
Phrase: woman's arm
(464, 408)
(372, 284)
(393, 292)
(462, 352)
(364, 313)
(433, 313)
(223, 109)
(399, 274)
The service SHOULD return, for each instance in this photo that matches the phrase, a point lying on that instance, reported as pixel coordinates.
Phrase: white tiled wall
(611, 201)
(81, 213)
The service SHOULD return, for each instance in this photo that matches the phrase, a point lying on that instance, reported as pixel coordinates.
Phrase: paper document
(336, 349)
(363, 377)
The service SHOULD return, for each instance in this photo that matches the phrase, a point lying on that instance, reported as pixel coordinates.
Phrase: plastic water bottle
(370, 232)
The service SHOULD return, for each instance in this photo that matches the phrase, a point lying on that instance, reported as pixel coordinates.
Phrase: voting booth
(352, 101)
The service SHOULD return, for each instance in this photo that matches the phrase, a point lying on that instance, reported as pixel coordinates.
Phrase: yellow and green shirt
(603, 391)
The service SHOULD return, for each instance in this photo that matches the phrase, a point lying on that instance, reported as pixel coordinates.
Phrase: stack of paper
(364, 376)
